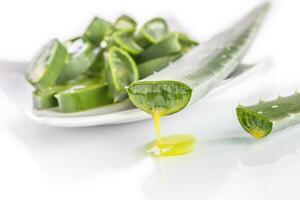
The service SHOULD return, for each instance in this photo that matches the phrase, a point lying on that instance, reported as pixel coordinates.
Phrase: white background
(40, 162)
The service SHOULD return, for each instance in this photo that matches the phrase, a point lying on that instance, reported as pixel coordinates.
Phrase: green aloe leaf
(85, 95)
(124, 39)
(168, 46)
(267, 117)
(121, 71)
(152, 32)
(186, 42)
(198, 71)
(149, 67)
(82, 55)
(162, 97)
(47, 65)
(45, 98)
(97, 30)
(125, 22)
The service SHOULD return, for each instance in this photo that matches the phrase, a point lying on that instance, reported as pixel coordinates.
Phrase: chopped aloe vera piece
(83, 96)
(168, 46)
(198, 71)
(121, 71)
(267, 117)
(152, 32)
(47, 65)
(186, 42)
(45, 99)
(124, 39)
(149, 67)
(125, 22)
(162, 97)
(97, 30)
(81, 57)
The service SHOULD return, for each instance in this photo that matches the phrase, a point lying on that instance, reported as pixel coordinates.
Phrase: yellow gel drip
(173, 145)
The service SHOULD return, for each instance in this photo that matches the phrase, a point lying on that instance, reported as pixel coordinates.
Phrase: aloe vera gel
(92, 69)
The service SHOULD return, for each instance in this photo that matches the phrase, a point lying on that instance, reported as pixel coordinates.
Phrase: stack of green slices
(93, 69)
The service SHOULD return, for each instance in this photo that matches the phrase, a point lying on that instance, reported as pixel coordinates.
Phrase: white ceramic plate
(14, 86)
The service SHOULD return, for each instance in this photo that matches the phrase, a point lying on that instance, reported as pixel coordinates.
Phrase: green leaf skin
(125, 22)
(84, 96)
(121, 71)
(82, 55)
(45, 99)
(97, 30)
(124, 39)
(149, 67)
(47, 65)
(166, 47)
(152, 32)
(267, 117)
(186, 42)
(201, 69)
(161, 97)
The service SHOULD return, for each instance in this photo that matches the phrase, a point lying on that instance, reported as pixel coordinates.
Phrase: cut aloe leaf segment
(162, 97)
(45, 99)
(87, 95)
(155, 30)
(268, 117)
(168, 46)
(124, 39)
(97, 30)
(125, 22)
(121, 71)
(199, 70)
(47, 65)
(149, 67)
(81, 57)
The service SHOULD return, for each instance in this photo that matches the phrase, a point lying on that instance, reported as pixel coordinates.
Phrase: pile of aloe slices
(93, 69)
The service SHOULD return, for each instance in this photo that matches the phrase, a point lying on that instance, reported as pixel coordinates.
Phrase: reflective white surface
(40, 162)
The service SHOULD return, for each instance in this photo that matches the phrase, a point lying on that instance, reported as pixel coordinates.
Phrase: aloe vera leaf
(168, 46)
(87, 95)
(149, 67)
(124, 39)
(267, 117)
(125, 22)
(121, 71)
(47, 65)
(186, 42)
(200, 69)
(97, 30)
(155, 29)
(43, 99)
(81, 57)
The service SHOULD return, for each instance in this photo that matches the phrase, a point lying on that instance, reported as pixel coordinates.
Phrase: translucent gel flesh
(173, 145)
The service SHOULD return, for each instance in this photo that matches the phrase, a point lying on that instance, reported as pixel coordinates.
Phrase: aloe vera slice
(81, 57)
(149, 67)
(152, 32)
(45, 99)
(168, 46)
(47, 65)
(87, 95)
(199, 70)
(125, 22)
(97, 30)
(124, 39)
(267, 117)
(121, 71)
(162, 97)
(186, 42)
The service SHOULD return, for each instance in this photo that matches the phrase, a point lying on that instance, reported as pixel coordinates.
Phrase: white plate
(14, 86)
